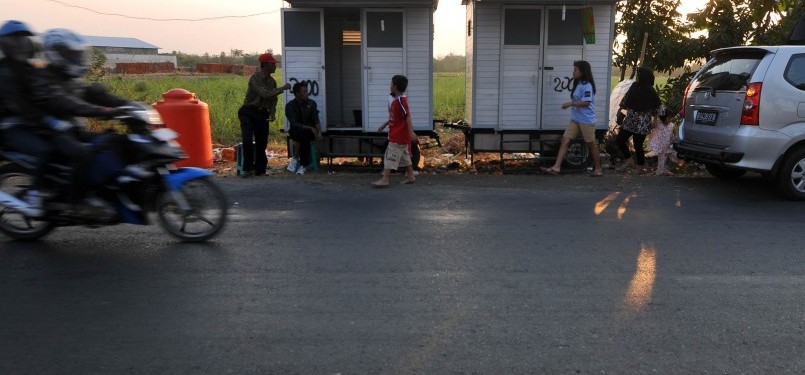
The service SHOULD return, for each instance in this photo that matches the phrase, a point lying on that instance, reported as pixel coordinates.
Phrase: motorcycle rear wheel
(207, 216)
(16, 180)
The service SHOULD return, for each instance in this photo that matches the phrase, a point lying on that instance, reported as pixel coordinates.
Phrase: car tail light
(684, 101)
(751, 108)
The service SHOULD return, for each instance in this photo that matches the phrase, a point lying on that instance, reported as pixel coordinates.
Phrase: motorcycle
(133, 175)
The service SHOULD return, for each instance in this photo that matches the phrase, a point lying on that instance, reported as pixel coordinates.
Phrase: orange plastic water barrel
(190, 117)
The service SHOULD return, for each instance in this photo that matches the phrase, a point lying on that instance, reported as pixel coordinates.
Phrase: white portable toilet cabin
(520, 56)
(347, 51)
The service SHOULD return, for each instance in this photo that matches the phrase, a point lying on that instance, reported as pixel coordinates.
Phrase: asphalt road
(324, 274)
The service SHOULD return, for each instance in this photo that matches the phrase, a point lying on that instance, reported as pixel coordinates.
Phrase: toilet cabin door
(303, 55)
(384, 57)
(520, 67)
(564, 44)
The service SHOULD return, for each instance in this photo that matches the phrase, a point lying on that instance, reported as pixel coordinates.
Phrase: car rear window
(729, 71)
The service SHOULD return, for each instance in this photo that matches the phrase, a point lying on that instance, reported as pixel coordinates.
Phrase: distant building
(127, 50)
(125, 46)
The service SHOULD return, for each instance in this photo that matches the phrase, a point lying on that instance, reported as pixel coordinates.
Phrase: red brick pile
(225, 69)
(144, 68)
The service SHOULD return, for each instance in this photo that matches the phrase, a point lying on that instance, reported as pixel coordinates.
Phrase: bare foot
(627, 164)
(381, 183)
(408, 180)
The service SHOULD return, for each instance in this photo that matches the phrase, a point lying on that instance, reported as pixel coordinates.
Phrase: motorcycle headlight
(144, 113)
(150, 116)
(164, 134)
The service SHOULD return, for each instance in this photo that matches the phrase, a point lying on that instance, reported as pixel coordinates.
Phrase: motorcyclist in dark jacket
(38, 104)
(69, 97)
(21, 121)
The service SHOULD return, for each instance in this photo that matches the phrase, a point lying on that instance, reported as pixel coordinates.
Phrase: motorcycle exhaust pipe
(15, 203)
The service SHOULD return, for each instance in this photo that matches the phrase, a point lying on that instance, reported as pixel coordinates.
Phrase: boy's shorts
(397, 156)
(574, 128)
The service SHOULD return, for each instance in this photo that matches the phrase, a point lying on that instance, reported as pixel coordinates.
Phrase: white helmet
(66, 51)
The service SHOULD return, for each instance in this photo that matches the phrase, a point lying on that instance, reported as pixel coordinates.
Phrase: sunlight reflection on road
(622, 207)
(641, 287)
(604, 203)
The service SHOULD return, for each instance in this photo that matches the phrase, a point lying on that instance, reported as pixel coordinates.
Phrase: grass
(224, 95)
(448, 96)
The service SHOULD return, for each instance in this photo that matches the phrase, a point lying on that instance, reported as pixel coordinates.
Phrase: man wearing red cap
(258, 110)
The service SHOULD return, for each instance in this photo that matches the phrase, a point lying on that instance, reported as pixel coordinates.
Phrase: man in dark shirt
(303, 117)
(258, 110)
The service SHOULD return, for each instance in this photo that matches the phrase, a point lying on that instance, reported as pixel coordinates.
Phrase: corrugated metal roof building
(127, 50)
(119, 45)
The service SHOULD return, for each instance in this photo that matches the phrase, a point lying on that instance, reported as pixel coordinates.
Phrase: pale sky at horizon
(253, 34)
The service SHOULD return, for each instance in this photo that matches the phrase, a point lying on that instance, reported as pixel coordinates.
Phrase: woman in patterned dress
(641, 103)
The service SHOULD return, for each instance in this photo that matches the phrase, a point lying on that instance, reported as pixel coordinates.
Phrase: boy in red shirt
(401, 133)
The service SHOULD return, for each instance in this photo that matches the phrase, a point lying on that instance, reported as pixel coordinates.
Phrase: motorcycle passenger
(21, 122)
(70, 97)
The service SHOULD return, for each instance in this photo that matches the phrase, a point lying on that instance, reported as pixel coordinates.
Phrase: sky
(250, 34)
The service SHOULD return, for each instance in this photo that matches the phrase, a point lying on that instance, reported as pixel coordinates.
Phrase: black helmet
(17, 41)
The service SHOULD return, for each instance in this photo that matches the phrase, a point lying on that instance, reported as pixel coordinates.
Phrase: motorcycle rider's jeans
(23, 139)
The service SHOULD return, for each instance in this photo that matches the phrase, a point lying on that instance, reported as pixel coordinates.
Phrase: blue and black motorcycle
(132, 175)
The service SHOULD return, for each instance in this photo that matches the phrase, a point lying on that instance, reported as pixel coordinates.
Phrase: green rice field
(224, 95)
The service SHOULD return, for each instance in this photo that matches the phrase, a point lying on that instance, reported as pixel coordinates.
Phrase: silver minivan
(745, 110)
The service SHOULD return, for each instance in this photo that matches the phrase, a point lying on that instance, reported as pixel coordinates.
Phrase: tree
(768, 16)
(187, 61)
(746, 22)
(450, 63)
(97, 64)
(236, 56)
(726, 23)
(668, 45)
(774, 33)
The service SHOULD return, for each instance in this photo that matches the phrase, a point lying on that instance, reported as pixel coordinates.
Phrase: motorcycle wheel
(207, 216)
(16, 180)
(578, 154)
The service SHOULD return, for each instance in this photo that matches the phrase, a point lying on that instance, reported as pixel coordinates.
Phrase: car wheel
(791, 178)
(723, 173)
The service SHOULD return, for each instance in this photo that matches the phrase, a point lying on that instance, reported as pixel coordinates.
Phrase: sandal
(550, 171)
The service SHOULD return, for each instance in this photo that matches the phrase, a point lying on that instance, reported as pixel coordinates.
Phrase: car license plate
(706, 118)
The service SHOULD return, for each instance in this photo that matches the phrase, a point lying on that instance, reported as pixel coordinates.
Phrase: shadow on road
(751, 187)
(95, 253)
